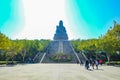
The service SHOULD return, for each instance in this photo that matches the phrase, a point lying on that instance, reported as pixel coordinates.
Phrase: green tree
(4, 42)
(14, 49)
(111, 41)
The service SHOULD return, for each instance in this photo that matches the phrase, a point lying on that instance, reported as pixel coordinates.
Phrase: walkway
(58, 72)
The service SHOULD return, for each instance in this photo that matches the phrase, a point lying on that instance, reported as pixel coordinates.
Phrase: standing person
(77, 62)
(96, 63)
(92, 64)
(101, 62)
(87, 64)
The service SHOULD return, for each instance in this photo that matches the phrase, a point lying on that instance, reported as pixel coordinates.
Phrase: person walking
(92, 64)
(87, 64)
(96, 63)
(101, 62)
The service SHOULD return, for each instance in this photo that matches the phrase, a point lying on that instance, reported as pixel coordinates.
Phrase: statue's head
(61, 23)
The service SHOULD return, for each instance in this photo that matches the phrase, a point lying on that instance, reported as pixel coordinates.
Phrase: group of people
(93, 63)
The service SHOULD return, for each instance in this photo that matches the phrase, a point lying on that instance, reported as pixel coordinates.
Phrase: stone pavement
(58, 72)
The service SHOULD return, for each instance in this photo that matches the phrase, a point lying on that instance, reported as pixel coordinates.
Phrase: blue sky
(37, 19)
(93, 17)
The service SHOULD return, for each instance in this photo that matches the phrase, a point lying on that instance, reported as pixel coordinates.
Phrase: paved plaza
(58, 72)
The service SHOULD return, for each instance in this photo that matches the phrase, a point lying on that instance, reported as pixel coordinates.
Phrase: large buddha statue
(60, 32)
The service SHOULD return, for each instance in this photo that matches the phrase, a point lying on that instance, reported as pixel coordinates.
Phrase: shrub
(8, 62)
(113, 63)
(61, 57)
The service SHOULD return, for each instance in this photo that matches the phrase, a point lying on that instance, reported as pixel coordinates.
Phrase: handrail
(75, 53)
(42, 57)
(36, 56)
(46, 52)
(84, 56)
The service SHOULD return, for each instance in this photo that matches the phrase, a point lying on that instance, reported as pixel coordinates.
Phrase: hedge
(113, 63)
(8, 62)
(61, 57)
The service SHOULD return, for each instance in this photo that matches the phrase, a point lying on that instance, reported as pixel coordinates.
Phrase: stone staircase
(53, 47)
(65, 47)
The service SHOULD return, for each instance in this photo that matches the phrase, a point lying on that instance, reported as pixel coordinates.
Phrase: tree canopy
(108, 43)
(14, 49)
